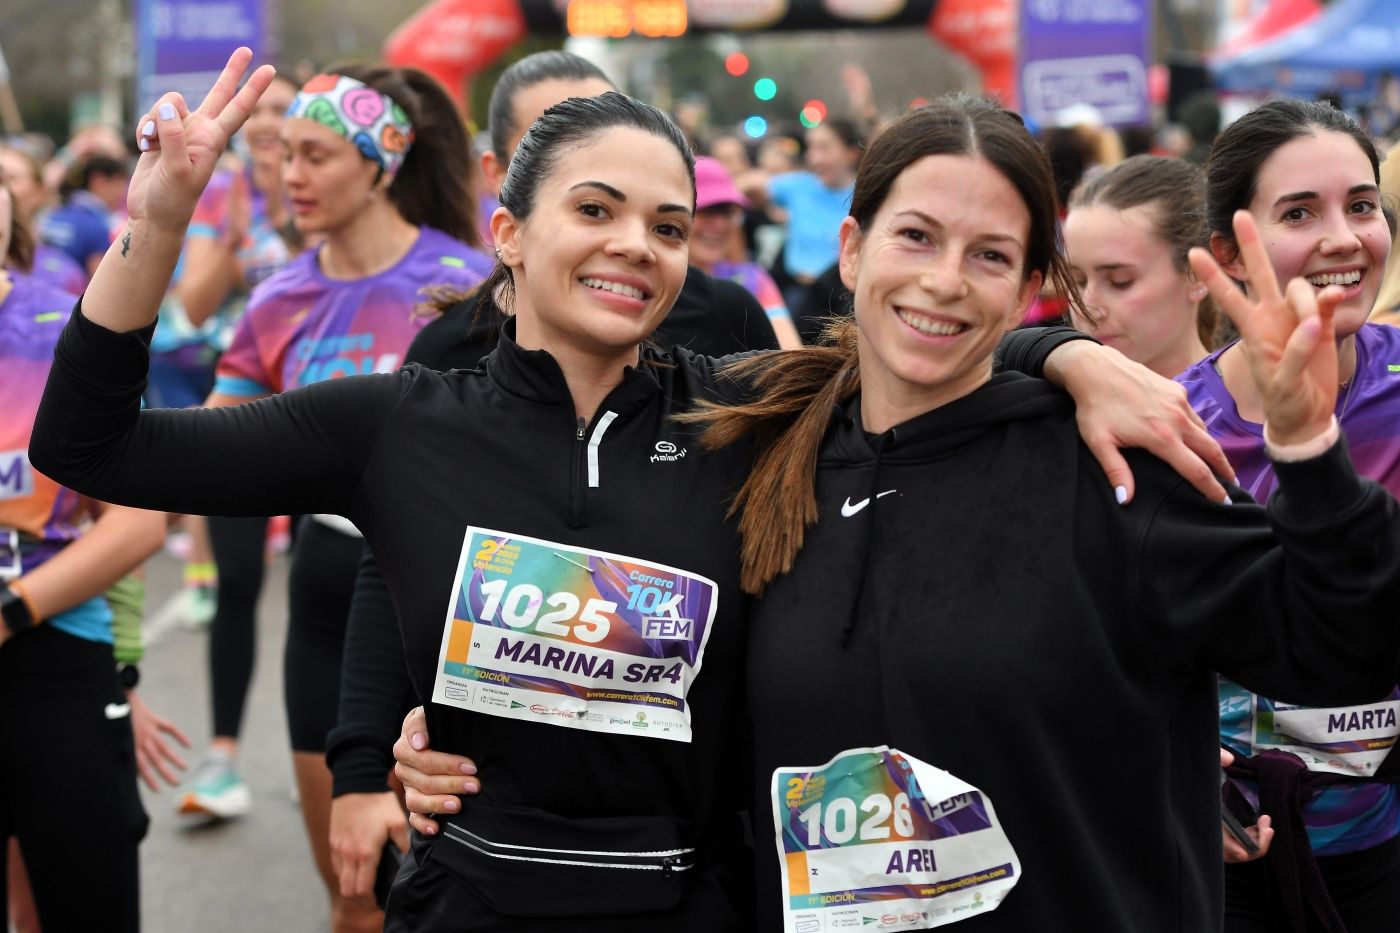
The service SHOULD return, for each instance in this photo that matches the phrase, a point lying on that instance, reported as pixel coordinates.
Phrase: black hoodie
(1057, 650)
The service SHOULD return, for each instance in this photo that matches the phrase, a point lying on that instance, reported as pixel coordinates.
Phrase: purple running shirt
(1353, 740)
(302, 327)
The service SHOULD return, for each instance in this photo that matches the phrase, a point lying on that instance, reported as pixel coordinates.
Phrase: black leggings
(324, 563)
(1364, 885)
(240, 551)
(68, 784)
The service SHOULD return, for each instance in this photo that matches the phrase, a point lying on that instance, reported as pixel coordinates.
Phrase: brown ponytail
(796, 391)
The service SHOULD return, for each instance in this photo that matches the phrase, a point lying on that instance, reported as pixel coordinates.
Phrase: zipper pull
(669, 863)
(581, 428)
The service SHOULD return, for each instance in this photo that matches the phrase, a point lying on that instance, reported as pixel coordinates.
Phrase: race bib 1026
(573, 637)
(878, 839)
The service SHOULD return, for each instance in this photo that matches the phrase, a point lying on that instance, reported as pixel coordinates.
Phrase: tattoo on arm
(126, 243)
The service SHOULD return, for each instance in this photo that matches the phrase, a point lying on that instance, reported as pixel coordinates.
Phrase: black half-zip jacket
(413, 459)
(1057, 650)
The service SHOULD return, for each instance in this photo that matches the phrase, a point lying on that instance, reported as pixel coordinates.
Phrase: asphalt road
(247, 875)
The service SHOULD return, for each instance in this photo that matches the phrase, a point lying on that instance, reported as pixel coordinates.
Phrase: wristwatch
(129, 675)
(15, 611)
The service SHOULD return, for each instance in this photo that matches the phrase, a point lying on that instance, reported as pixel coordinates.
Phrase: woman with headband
(376, 162)
(554, 472)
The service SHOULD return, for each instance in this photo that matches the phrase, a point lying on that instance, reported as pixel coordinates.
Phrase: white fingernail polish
(1228, 500)
(143, 144)
(149, 129)
(166, 111)
(1121, 494)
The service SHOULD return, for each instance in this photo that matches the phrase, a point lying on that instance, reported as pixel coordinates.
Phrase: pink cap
(713, 186)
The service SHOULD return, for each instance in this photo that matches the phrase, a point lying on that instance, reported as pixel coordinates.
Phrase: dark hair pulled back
(846, 130)
(431, 186)
(1173, 189)
(79, 176)
(570, 124)
(797, 390)
(554, 65)
(1242, 148)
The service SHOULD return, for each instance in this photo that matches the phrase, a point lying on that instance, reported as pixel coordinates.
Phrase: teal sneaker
(215, 790)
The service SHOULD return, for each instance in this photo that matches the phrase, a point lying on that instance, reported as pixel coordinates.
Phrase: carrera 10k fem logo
(666, 452)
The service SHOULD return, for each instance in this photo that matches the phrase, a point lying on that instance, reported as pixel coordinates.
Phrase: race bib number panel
(1350, 740)
(573, 637)
(878, 839)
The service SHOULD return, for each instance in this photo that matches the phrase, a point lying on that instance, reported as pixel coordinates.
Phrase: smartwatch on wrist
(129, 675)
(14, 608)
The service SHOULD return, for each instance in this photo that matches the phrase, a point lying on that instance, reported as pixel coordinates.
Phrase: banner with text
(1085, 52)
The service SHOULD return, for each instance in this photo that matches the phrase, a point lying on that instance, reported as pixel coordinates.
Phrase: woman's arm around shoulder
(1120, 404)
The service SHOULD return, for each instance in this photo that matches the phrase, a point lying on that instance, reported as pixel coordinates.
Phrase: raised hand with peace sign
(179, 149)
(1288, 336)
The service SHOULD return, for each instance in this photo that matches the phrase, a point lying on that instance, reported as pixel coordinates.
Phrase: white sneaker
(215, 790)
(197, 606)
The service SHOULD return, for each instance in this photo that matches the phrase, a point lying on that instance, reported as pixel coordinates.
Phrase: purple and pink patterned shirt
(1355, 815)
(759, 283)
(46, 515)
(57, 268)
(302, 327)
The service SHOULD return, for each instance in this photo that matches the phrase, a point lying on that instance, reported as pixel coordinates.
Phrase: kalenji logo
(666, 452)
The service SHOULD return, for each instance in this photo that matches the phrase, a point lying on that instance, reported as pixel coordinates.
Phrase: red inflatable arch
(454, 40)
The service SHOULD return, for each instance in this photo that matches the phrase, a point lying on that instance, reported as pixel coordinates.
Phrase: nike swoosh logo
(117, 710)
(849, 508)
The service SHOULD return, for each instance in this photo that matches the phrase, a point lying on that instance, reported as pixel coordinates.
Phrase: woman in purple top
(20, 172)
(59, 553)
(82, 225)
(1308, 177)
(376, 164)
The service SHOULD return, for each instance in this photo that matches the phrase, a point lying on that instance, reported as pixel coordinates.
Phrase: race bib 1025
(878, 839)
(573, 637)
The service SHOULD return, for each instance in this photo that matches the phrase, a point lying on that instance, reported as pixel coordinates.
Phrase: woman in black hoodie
(1033, 635)
(927, 604)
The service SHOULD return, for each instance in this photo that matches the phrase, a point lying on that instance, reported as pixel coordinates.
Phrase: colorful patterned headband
(372, 121)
